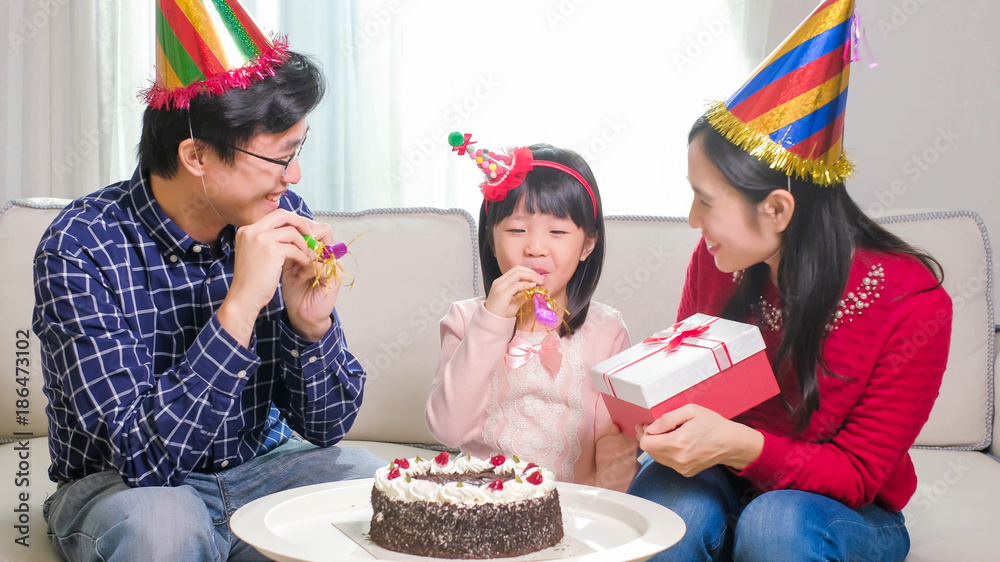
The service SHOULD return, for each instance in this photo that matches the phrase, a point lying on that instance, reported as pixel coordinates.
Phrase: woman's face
(727, 220)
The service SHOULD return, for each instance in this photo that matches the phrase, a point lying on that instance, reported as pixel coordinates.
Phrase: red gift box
(705, 360)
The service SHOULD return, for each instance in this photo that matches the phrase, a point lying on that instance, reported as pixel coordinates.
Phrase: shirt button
(312, 359)
(224, 464)
(295, 353)
(241, 374)
(173, 258)
(197, 249)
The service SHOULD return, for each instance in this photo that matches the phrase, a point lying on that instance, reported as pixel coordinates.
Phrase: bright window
(619, 82)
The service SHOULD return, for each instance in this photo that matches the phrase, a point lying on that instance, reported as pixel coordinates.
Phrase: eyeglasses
(284, 163)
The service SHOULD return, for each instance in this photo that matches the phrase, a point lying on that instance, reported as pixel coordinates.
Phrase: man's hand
(309, 301)
(264, 250)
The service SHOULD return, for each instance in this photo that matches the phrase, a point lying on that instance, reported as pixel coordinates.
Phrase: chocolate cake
(465, 508)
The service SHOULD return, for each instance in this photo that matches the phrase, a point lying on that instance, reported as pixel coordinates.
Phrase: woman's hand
(693, 438)
(506, 292)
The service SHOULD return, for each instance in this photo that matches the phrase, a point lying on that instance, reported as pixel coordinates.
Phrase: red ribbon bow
(676, 339)
(520, 352)
(465, 146)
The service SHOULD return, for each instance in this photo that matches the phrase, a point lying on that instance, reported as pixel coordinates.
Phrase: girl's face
(550, 245)
(728, 222)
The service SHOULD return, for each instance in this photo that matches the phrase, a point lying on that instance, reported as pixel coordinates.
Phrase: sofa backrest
(647, 260)
(408, 266)
(412, 263)
(963, 415)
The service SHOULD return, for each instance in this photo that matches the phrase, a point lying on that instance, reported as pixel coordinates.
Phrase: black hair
(271, 105)
(552, 191)
(817, 248)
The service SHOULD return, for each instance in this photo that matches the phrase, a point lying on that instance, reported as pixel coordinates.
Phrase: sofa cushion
(995, 448)
(954, 514)
(647, 261)
(962, 417)
(411, 264)
(21, 226)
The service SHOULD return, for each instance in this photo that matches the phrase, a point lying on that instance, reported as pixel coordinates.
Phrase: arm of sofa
(995, 449)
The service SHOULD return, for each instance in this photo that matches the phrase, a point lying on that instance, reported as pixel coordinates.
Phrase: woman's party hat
(207, 47)
(790, 113)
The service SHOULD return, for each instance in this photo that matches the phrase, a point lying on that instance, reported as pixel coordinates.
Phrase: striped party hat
(207, 47)
(790, 113)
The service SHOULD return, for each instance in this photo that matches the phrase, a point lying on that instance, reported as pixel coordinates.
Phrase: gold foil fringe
(776, 156)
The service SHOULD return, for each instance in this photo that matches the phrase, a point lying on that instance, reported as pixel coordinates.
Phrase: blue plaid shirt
(139, 374)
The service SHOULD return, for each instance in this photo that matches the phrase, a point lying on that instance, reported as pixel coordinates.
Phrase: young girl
(857, 328)
(506, 383)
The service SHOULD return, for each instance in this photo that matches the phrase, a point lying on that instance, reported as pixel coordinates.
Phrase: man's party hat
(208, 47)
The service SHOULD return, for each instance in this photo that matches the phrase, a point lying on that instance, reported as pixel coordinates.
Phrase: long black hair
(271, 105)
(817, 246)
(551, 191)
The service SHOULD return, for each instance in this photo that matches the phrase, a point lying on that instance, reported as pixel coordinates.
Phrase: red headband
(505, 172)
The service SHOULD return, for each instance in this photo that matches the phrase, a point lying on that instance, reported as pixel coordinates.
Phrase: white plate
(297, 524)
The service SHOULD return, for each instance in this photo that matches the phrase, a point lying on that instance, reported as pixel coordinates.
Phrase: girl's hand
(506, 291)
(693, 438)
(616, 460)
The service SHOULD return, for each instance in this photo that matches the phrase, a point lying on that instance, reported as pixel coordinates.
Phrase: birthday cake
(465, 507)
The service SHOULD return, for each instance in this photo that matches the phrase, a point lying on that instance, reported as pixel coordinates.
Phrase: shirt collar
(171, 239)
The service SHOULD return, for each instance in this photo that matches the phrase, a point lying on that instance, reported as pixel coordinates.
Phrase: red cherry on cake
(394, 473)
(535, 477)
(498, 460)
(496, 485)
(529, 467)
(402, 463)
(443, 458)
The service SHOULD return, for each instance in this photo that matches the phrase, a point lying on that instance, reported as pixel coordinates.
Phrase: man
(184, 335)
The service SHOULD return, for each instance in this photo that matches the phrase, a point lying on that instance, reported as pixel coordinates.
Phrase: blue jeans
(100, 518)
(725, 521)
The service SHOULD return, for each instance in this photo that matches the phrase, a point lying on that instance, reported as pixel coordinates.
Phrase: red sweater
(889, 357)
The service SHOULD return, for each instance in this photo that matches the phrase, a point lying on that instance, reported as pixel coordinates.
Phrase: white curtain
(620, 82)
(70, 71)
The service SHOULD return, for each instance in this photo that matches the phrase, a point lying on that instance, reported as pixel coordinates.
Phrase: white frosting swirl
(453, 493)
(407, 487)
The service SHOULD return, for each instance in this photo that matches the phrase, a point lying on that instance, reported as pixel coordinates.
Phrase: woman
(857, 328)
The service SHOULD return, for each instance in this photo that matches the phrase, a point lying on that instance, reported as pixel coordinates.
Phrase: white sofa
(411, 263)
